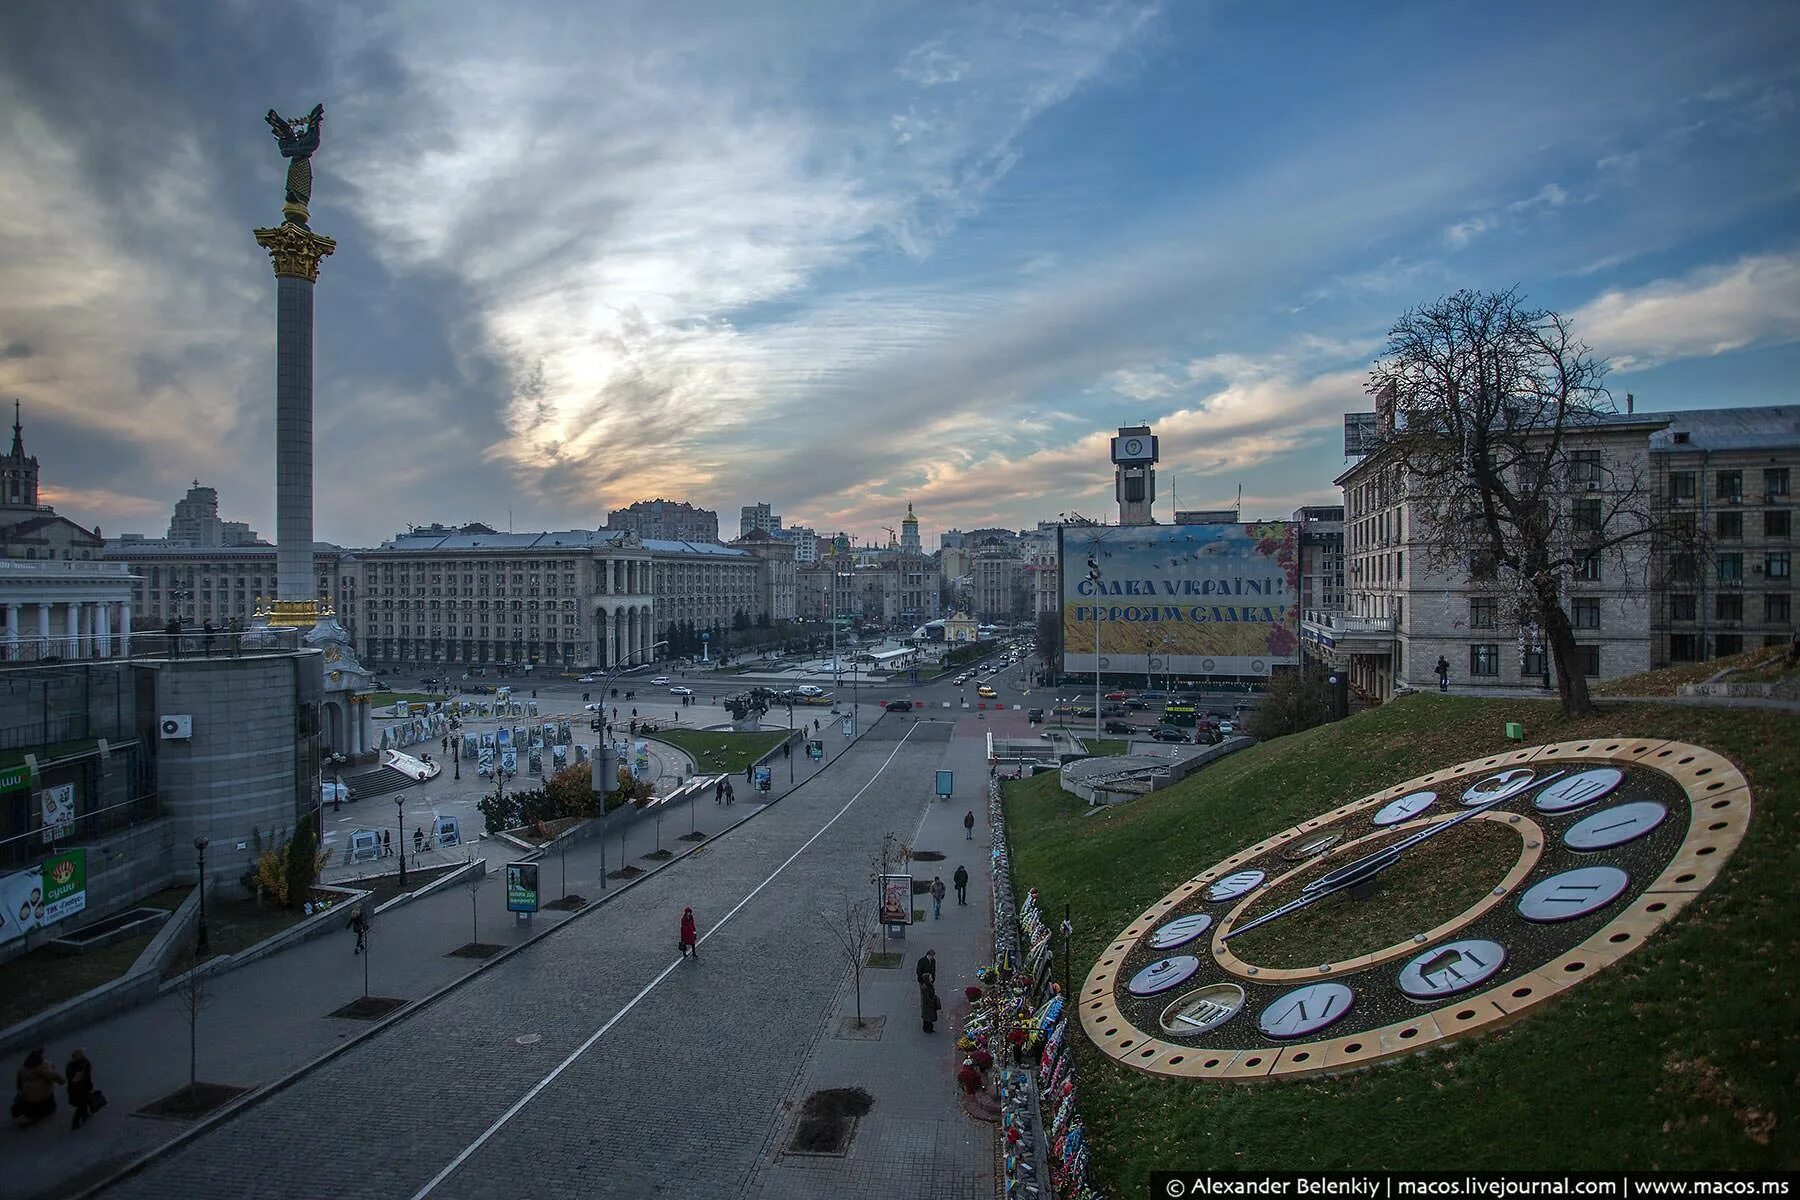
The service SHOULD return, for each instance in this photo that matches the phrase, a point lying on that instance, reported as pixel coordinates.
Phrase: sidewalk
(262, 1021)
(916, 1139)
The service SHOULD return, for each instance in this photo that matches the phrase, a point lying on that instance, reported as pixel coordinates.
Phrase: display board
(1196, 599)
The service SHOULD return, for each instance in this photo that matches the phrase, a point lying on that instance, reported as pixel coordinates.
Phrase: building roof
(551, 539)
(1773, 427)
(133, 551)
(712, 549)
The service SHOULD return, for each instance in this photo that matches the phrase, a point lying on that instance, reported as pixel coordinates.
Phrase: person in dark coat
(961, 880)
(35, 1097)
(927, 968)
(359, 921)
(937, 897)
(81, 1087)
(969, 826)
(690, 936)
(928, 1003)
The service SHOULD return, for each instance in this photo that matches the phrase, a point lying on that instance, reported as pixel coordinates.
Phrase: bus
(1181, 714)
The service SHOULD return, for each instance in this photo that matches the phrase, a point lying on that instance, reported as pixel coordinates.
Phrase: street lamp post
(400, 830)
(200, 940)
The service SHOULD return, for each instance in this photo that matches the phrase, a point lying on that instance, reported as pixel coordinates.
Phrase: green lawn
(1686, 1055)
(716, 752)
(33, 982)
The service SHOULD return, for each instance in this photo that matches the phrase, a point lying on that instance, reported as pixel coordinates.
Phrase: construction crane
(893, 537)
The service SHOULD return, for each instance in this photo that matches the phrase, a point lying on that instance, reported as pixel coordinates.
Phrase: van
(1034, 716)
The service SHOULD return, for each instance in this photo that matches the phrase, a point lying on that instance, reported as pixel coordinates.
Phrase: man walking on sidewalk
(961, 880)
(359, 921)
(969, 826)
(937, 896)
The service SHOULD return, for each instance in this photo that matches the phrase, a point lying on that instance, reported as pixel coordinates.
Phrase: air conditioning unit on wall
(175, 728)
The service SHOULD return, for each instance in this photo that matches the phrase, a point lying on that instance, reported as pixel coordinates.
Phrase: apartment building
(222, 584)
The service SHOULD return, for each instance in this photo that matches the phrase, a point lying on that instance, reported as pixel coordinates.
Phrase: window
(1729, 485)
(1778, 608)
(1731, 568)
(1730, 526)
(1483, 612)
(1681, 606)
(1775, 481)
(1588, 569)
(1584, 467)
(1728, 643)
(1681, 485)
(1585, 613)
(1775, 523)
(1533, 663)
(1777, 564)
(1484, 659)
(1587, 516)
(1683, 648)
(1589, 658)
(1681, 567)
(1729, 606)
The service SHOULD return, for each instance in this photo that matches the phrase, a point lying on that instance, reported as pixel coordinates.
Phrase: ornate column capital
(295, 251)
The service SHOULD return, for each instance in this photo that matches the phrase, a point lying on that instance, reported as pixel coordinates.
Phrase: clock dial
(1379, 927)
(1573, 894)
(1180, 933)
(1405, 808)
(1233, 886)
(1577, 791)
(1615, 826)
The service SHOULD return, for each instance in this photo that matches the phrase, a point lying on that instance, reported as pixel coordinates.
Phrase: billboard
(47, 893)
(1181, 599)
(1362, 434)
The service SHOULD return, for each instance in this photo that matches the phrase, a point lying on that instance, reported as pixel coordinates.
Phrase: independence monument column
(295, 251)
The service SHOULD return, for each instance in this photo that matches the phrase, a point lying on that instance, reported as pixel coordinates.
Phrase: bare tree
(1495, 427)
(893, 852)
(473, 883)
(193, 992)
(852, 924)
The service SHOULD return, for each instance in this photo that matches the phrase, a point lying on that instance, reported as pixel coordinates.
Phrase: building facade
(666, 520)
(757, 517)
(1321, 556)
(775, 577)
(223, 584)
(196, 522)
(1725, 478)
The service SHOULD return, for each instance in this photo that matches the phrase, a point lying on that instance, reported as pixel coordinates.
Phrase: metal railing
(22, 849)
(189, 643)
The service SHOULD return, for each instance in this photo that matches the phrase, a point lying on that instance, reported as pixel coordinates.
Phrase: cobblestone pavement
(682, 1094)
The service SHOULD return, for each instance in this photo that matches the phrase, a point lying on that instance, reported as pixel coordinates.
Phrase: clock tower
(1134, 454)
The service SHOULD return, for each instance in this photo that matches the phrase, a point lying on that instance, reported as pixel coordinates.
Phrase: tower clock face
(1429, 911)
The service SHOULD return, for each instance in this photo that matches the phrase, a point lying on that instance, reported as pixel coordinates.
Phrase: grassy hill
(1684, 1055)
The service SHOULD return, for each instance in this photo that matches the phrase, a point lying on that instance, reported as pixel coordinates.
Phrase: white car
(810, 689)
(583, 679)
(660, 679)
(681, 691)
(596, 707)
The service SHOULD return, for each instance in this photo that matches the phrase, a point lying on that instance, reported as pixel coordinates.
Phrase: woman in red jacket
(690, 937)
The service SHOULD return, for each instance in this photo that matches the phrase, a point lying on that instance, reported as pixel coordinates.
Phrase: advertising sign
(21, 903)
(65, 885)
(1362, 433)
(896, 899)
(946, 784)
(1208, 599)
(521, 887)
(815, 750)
(59, 810)
(14, 778)
(847, 726)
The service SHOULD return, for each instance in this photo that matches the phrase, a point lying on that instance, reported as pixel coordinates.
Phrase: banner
(896, 900)
(1180, 599)
(14, 778)
(59, 810)
(21, 903)
(521, 887)
(65, 885)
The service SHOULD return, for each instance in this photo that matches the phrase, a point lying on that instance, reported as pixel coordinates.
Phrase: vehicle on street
(1084, 710)
(960, 680)
(810, 689)
(986, 692)
(1227, 728)
(596, 707)
(583, 679)
(1137, 704)
(659, 680)
(1118, 695)
(1034, 716)
(1063, 708)
(1118, 726)
(898, 705)
(1153, 696)
(1169, 733)
(681, 691)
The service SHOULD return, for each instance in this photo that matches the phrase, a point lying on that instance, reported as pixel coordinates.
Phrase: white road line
(456, 1163)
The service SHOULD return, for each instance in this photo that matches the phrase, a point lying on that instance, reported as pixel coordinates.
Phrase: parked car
(1118, 726)
(1170, 733)
(1137, 704)
(1118, 695)
(681, 691)
(810, 689)
(1084, 710)
(583, 679)
(659, 680)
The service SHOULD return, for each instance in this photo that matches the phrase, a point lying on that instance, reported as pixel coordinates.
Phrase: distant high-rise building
(196, 522)
(669, 520)
(952, 539)
(757, 516)
(805, 539)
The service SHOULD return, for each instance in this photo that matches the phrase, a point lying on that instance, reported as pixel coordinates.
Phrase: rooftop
(1775, 427)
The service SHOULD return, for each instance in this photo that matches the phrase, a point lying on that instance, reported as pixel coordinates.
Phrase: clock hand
(1373, 863)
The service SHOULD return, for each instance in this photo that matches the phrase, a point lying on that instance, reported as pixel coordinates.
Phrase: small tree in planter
(851, 924)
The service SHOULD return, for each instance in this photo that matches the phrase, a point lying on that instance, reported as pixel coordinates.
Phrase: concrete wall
(251, 762)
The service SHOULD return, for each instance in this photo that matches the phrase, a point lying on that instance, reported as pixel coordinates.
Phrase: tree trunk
(1571, 679)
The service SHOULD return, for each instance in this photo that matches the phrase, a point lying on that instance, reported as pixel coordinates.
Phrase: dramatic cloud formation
(841, 257)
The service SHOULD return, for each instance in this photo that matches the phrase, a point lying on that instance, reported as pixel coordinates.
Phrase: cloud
(1708, 311)
(1459, 235)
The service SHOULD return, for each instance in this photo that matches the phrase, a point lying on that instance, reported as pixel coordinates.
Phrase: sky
(843, 256)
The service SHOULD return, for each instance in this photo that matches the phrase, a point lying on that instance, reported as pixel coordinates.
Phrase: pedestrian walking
(690, 935)
(84, 1097)
(34, 1097)
(927, 967)
(359, 921)
(719, 790)
(961, 880)
(1443, 673)
(928, 1003)
(418, 839)
(749, 777)
(969, 826)
(206, 637)
(730, 794)
(387, 843)
(937, 896)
